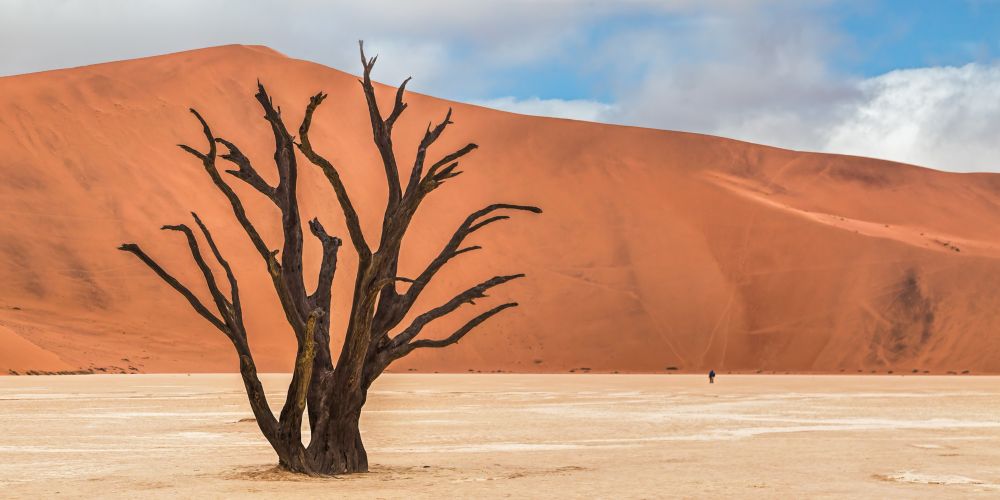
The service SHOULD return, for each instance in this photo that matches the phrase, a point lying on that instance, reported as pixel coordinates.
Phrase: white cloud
(754, 76)
(943, 117)
(946, 118)
(576, 109)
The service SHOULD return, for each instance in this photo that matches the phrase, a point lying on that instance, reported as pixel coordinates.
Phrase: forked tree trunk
(332, 393)
(338, 448)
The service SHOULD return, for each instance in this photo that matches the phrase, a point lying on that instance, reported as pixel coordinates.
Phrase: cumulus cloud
(944, 117)
(761, 76)
(576, 109)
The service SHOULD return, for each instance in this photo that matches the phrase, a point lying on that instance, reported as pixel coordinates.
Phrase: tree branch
(255, 391)
(451, 249)
(221, 303)
(398, 107)
(454, 337)
(466, 249)
(295, 304)
(382, 132)
(234, 288)
(397, 306)
(434, 178)
(245, 171)
(208, 160)
(466, 297)
(350, 214)
(473, 228)
(176, 285)
(328, 265)
(430, 136)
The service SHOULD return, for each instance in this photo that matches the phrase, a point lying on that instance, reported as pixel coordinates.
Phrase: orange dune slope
(657, 249)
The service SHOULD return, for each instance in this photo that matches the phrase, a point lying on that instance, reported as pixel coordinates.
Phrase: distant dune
(657, 249)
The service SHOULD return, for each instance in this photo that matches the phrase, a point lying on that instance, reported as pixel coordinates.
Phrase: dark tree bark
(331, 393)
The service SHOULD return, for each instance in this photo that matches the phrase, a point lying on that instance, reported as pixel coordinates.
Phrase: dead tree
(332, 392)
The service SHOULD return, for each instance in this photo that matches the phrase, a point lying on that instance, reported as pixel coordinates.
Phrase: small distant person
(711, 376)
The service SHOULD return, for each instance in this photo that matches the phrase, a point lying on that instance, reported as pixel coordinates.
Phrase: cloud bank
(767, 71)
(948, 117)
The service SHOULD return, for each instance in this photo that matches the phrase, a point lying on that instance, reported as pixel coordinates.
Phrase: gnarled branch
(466, 297)
(430, 135)
(292, 284)
(450, 250)
(208, 160)
(221, 303)
(398, 107)
(328, 265)
(436, 175)
(332, 175)
(405, 349)
(176, 285)
(245, 171)
(381, 131)
(234, 287)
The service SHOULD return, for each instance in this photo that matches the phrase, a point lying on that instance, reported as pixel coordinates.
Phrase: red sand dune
(657, 249)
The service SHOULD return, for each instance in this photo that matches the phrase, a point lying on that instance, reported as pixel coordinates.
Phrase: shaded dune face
(657, 249)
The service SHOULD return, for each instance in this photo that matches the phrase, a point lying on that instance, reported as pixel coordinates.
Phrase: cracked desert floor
(474, 436)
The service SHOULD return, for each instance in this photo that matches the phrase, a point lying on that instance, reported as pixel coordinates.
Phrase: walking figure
(711, 377)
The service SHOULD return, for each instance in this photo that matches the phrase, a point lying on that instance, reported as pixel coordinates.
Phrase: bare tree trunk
(337, 447)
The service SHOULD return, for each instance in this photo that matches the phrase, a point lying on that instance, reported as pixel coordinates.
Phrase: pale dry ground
(623, 436)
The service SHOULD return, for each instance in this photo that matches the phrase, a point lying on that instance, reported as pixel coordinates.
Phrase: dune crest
(657, 249)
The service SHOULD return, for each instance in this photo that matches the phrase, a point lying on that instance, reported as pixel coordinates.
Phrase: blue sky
(911, 34)
(915, 81)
